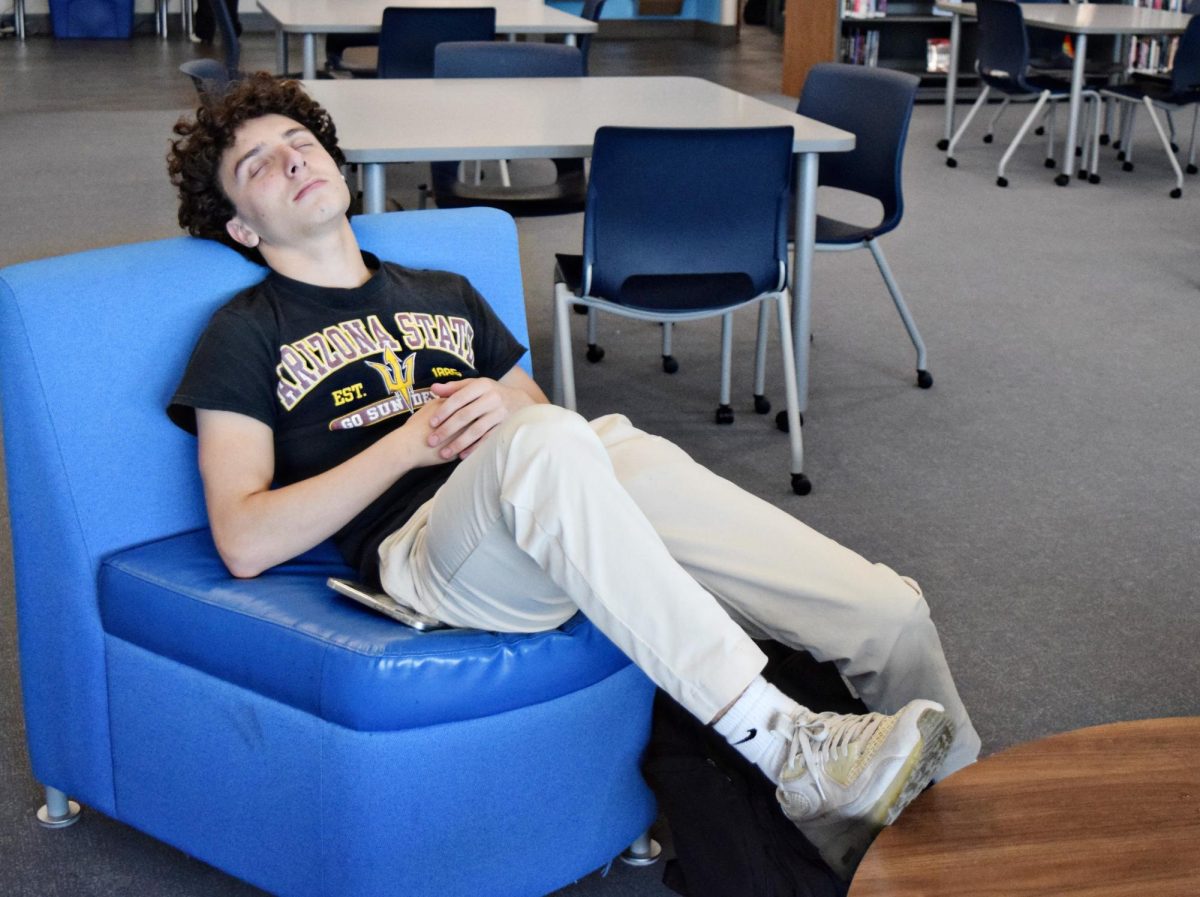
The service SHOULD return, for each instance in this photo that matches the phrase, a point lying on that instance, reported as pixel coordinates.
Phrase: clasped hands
(463, 413)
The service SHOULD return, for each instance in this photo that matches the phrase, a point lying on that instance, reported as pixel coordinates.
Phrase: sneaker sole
(926, 758)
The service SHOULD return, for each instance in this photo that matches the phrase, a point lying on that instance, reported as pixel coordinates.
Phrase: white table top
(1090, 18)
(431, 120)
(364, 16)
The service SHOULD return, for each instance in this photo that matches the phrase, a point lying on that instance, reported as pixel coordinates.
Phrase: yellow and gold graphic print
(304, 364)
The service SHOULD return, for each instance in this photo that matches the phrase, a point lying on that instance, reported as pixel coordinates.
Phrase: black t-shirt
(333, 370)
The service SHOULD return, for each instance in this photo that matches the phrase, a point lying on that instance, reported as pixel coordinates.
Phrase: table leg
(952, 79)
(802, 257)
(374, 188)
(185, 16)
(571, 41)
(19, 18)
(281, 50)
(310, 56)
(1068, 165)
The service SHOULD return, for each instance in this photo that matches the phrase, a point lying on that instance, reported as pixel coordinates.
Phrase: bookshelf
(889, 33)
(1154, 55)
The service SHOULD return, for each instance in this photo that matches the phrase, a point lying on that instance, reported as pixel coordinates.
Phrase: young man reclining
(382, 406)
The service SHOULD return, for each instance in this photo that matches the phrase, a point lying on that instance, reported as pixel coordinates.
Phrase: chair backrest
(875, 104)
(87, 478)
(591, 11)
(668, 224)
(210, 75)
(1185, 74)
(408, 36)
(492, 59)
(1002, 51)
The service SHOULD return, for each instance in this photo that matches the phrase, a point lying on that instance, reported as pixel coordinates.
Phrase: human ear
(241, 232)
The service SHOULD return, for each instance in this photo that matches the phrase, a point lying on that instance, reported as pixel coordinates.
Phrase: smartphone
(384, 604)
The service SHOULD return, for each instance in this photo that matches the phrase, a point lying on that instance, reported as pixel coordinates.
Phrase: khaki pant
(677, 566)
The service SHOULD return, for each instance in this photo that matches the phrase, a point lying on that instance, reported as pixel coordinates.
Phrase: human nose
(293, 161)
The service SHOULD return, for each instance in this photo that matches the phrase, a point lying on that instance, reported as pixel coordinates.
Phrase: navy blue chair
(874, 104)
(591, 11)
(1172, 94)
(409, 34)
(1003, 64)
(669, 237)
(490, 59)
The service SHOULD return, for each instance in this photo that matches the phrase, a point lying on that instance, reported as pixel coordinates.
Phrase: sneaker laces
(832, 734)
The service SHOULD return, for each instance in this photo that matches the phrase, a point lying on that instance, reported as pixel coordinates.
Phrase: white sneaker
(846, 777)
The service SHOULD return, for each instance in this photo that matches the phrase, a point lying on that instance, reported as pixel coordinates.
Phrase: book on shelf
(861, 47)
(864, 9)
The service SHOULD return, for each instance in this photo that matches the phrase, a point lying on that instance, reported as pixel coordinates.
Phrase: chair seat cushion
(831, 230)
(286, 635)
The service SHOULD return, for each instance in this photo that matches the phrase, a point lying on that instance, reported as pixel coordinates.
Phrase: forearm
(261, 528)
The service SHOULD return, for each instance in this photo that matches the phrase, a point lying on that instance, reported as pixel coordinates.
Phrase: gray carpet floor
(1044, 492)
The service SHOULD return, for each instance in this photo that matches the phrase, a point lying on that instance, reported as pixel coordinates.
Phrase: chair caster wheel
(1093, 179)
(1001, 182)
(1128, 166)
(1081, 174)
(952, 162)
(1191, 169)
(781, 422)
(1121, 154)
(1174, 147)
(924, 379)
(579, 308)
(943, 144)
(801, 484)
(1062, 180)
(1176, 193)
(670, 365)
(988, 138)
(724, 414)
(1104, 140)
(594, 353)
(1039, 130)
(1049, 163)
(761, 405)
(1078, 152)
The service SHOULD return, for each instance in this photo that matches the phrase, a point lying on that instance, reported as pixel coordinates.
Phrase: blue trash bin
(91, 18)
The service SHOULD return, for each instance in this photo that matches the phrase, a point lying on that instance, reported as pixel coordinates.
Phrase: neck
(330, 260)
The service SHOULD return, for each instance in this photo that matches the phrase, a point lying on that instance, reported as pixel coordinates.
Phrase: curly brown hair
(194, 159)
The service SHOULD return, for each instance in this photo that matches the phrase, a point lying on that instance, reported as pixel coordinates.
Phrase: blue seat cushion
(287, 636)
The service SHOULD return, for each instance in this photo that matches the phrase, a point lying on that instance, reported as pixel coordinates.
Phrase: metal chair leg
(1001, 180)
(761, 404)
(644, 851)
(563, 391)
(951, 162)
(801, 484)
(1166, 142)
(924, 378)
(59, 811)
(725, 409)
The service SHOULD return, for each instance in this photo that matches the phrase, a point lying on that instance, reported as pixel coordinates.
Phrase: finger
(450, 387)
(465, 392)
(471, 436)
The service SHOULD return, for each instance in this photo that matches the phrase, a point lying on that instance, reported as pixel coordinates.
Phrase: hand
(468, 411)
(416, 434)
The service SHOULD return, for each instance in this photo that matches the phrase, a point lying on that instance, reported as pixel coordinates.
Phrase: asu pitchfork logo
(397, 375)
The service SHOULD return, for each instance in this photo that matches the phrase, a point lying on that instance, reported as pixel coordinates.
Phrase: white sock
(748, 723)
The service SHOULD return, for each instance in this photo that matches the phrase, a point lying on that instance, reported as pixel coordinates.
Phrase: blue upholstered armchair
(268, 726)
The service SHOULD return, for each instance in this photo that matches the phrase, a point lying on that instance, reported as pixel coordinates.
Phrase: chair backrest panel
(874, 104)
(1185, 75)
(670, 202)
(1002, 51)
(408, 36)
(490, 59)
